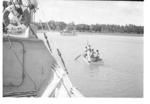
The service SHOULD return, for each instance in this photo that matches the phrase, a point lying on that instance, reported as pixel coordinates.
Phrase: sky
(91, 12)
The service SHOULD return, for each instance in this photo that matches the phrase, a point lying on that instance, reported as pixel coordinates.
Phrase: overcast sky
(91, 12)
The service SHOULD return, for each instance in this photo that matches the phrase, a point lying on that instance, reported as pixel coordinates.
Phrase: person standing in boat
(89, 48)
(85, 52)
(89, 51)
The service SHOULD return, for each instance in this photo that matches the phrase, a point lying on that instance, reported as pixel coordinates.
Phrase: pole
(45, 36)
(59, 53)
(33, 31)
(47, 42)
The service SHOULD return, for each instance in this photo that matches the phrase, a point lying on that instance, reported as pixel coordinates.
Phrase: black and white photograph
(72, 48)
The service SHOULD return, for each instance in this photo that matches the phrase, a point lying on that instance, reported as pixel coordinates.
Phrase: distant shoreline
(112, 34)
(94, 33)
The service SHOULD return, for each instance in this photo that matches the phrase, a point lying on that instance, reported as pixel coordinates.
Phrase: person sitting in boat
(6, 4)
(97, 55)
(17, 18)
(11, 19)
(93, 55)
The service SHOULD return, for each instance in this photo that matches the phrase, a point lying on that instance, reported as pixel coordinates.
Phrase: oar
(77, 57)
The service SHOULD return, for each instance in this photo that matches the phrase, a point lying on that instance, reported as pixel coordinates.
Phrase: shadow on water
(93, 70)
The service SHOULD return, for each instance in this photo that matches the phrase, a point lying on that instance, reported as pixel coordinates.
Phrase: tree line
(97, 28)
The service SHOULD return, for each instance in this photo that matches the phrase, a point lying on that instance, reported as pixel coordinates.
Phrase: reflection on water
(121, 75)
(93, 69)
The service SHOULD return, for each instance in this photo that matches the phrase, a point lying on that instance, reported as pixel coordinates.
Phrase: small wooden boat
(93, 61)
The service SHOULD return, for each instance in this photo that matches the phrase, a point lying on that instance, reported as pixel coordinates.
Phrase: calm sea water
(122, 72)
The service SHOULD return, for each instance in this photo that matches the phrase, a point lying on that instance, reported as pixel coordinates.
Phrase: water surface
(122, 72)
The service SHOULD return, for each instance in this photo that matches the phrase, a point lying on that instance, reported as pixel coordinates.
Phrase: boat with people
(98, 62)
(91, 56)
(30, 68)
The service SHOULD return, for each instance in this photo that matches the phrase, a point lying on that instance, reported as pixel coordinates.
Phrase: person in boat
(6, 4)
(93, 55)
(89, 48)
(85, 52)
(6, 20)
(12, 18)
(89, 55)
(17, 18)
(97, 55)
